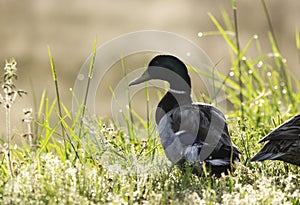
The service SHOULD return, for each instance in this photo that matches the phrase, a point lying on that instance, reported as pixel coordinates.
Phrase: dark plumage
(190, 133)
(283, 143)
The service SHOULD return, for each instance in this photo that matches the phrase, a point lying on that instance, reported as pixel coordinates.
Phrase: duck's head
(167, 68)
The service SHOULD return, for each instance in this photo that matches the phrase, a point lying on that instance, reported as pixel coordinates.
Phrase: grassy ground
(75, 161)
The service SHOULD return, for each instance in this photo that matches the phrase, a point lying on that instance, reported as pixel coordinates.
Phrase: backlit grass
(82, 160)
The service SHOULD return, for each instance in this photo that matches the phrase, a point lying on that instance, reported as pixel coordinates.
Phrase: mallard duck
(191, 133)
(283, 143)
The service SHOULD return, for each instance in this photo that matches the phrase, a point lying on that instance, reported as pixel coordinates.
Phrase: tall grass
(129, 167)
(256, 84)
(67, 140)
(239, 57)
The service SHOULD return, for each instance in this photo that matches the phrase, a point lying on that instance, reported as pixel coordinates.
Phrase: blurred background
(69, 27)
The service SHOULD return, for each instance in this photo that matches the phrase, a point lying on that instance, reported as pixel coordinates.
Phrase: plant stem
(58, 98)
(90, 76)
(59, 108)
(234, 6)
(270, 23)
(7, 112)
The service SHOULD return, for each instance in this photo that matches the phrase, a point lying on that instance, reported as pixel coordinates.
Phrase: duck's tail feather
(262, 156)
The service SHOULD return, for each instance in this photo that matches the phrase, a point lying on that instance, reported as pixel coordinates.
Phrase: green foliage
(81, 160)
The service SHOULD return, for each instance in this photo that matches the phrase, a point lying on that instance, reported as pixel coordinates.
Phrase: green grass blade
(223, 32)
(57, 95)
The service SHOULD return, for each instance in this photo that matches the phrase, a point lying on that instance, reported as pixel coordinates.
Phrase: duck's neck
(172, 99)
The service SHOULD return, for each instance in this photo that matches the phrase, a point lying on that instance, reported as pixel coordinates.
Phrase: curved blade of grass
(60, 115)
(223, 32)
(45, 141)
(90, 76)
(57, 95)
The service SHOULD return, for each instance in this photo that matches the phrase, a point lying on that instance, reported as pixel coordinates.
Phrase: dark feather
(283, 143)
(197, 133)
(289, 130)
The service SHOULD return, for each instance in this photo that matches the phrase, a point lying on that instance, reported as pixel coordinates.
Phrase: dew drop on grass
(276, 87)
(284, 60)
(231, 73)
(200, 34)
(269, 74)
(260, 64)
(255, 36)
(262, 101)
(284, 91)
(250, 72)
(276, 54)
(244, 58)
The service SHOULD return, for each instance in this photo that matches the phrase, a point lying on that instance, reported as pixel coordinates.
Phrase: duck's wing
(202, 120)
(271, 151)
(290, 130)
(174, 143)
(283, 143)
(284, 150)
(196, 132)
(218, 130)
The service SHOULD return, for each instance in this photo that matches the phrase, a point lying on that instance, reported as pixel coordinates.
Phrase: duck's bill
(143, 78)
